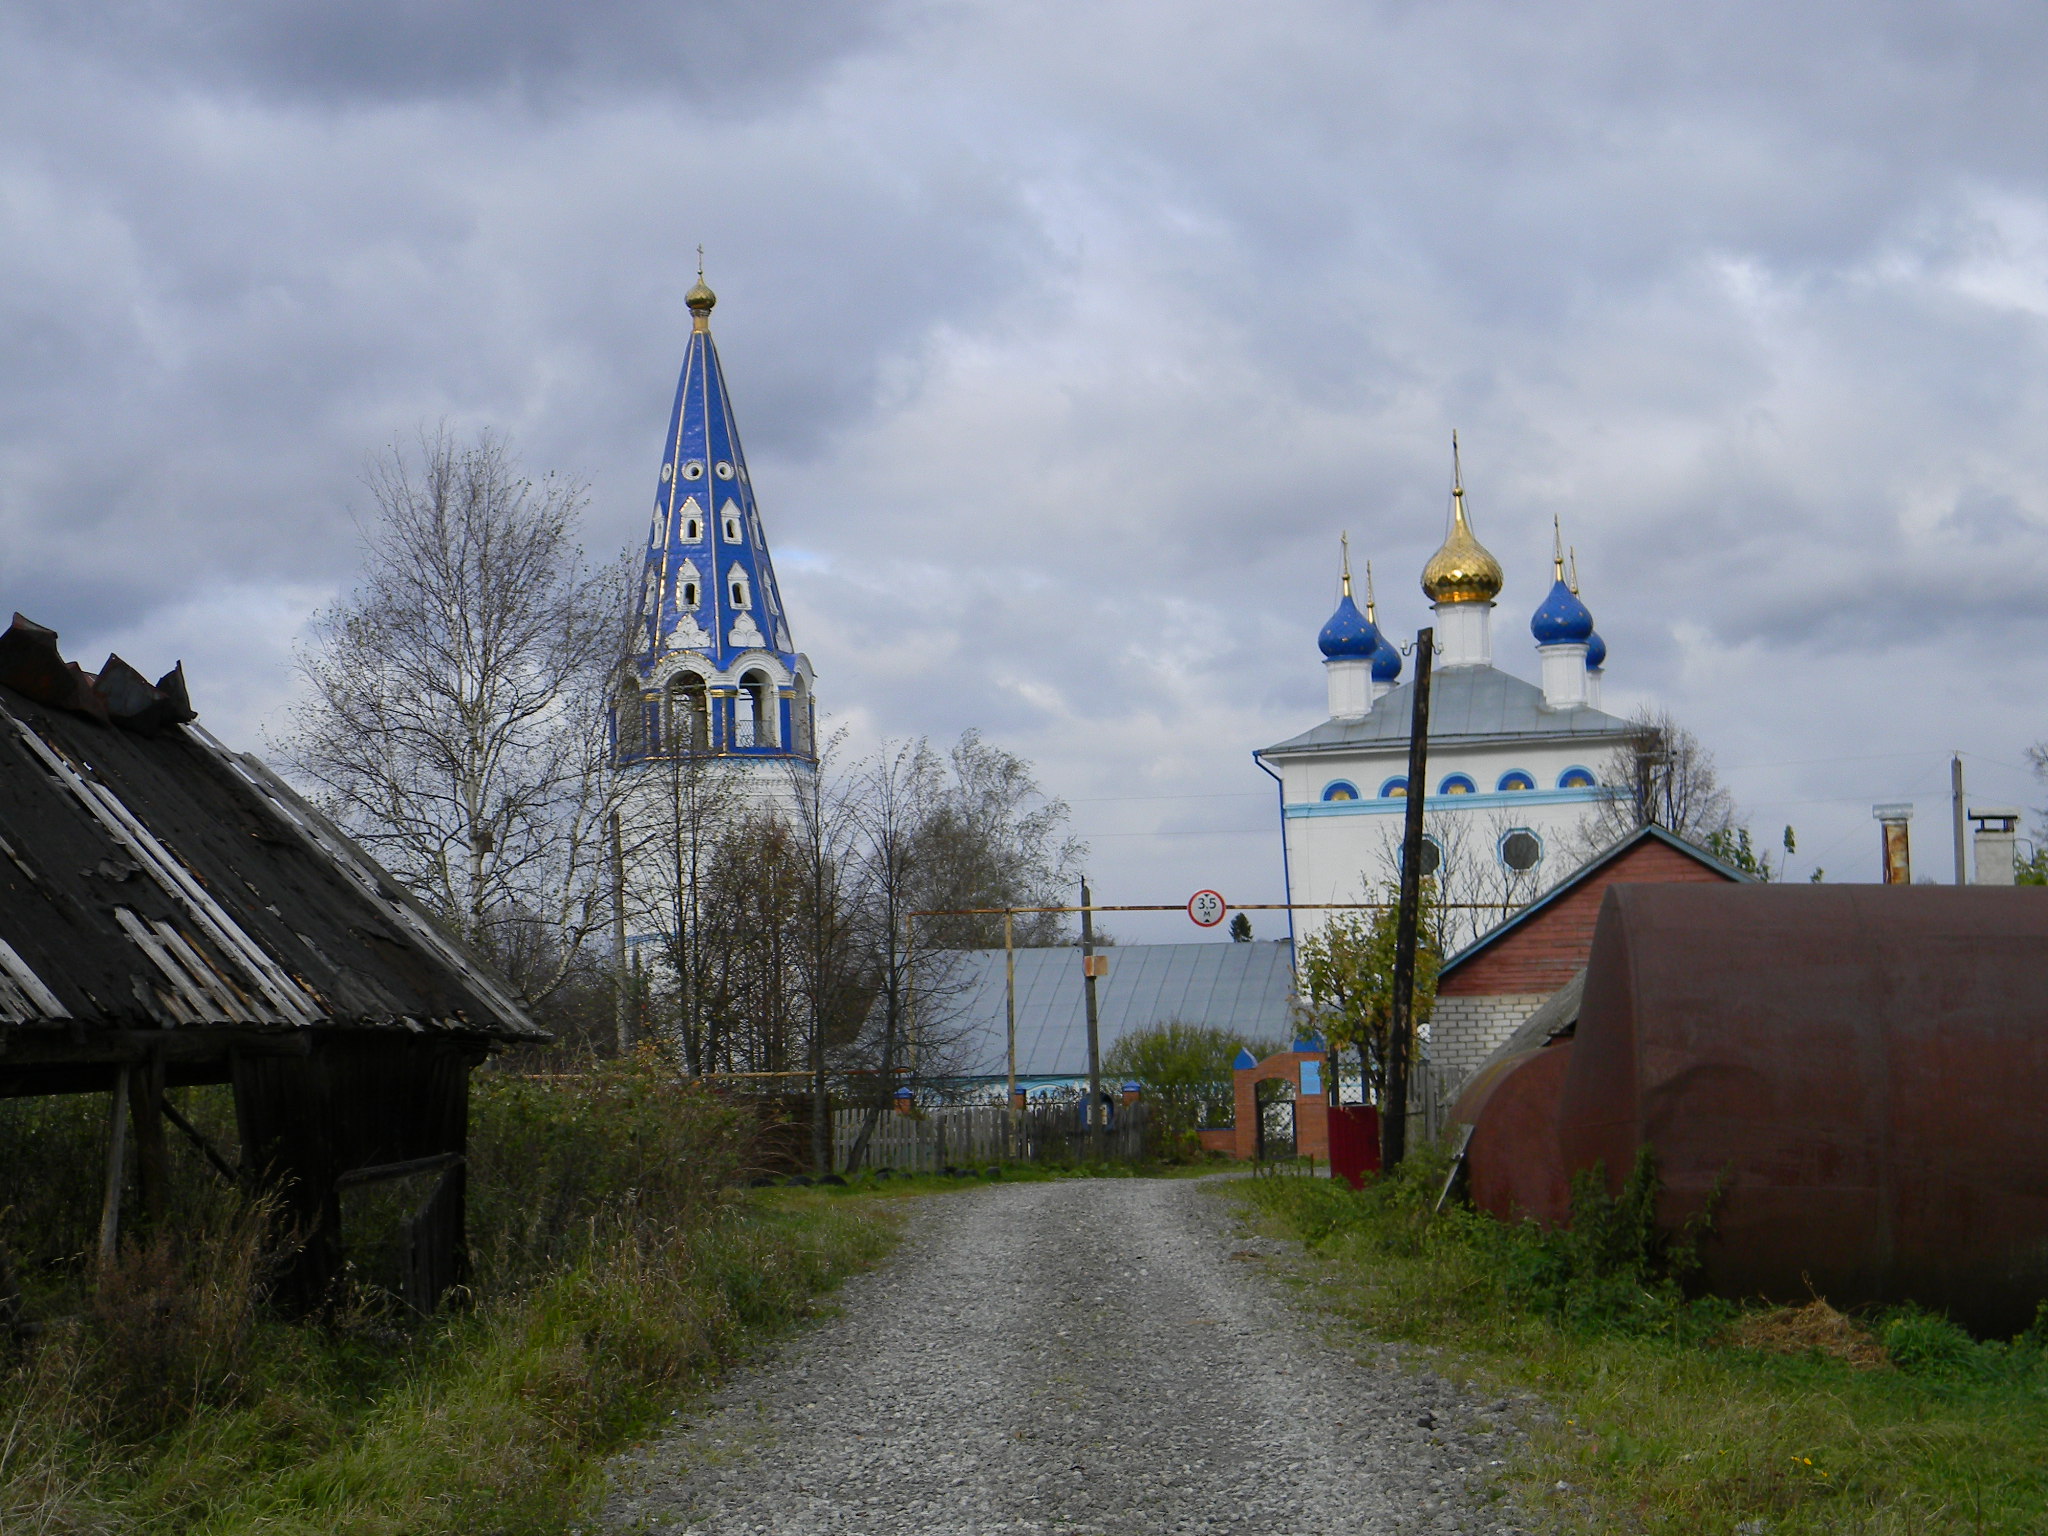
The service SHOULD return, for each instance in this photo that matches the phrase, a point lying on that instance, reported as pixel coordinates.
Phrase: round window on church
(724, 470)
(1521, 850)
(694, 470)
(1432, 857)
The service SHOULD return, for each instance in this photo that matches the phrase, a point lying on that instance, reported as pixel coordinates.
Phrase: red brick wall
(1544, 953)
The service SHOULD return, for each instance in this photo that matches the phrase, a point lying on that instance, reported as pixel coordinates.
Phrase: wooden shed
(171, 913)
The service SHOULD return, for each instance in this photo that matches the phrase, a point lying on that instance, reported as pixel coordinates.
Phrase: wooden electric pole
(1401, 1024)
(1095, 1126)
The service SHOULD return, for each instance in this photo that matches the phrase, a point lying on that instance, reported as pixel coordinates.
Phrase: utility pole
(1401, 1026)
(1955, 791)
(1010, 1022)
(1095, 1126)
(622, 1005)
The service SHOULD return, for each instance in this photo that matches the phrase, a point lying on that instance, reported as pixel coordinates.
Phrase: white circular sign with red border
(1207, 908)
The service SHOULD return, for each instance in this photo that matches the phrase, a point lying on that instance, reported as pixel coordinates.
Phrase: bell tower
(712, 671)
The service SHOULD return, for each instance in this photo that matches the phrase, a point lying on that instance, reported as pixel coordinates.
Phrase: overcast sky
(1066, 338)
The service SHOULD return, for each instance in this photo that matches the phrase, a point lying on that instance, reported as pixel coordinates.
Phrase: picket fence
(963, 1135)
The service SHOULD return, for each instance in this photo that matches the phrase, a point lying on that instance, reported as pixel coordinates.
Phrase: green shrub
(1658, 1422)
(616, 1263)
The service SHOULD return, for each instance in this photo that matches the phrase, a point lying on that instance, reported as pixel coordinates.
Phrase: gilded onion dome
(1462, 571)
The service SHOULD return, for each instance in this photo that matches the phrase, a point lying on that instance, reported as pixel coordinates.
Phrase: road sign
(1207, 908)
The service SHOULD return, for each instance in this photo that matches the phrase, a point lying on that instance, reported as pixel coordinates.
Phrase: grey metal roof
(1246, 988)
(1465, 704)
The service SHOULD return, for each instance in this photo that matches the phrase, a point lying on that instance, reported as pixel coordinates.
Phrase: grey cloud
(1066, 337)
(335, 54)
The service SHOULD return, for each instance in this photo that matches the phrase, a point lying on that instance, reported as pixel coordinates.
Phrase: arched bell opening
(689, 713)
(629, 718)
(754, 715)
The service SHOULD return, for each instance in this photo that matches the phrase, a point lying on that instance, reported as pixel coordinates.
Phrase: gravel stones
(1101, 1356)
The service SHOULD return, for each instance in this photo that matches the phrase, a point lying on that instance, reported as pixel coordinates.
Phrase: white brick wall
(1463, 1031)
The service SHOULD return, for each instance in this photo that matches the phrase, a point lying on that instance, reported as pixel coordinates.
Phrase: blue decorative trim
(1462, 782)
(1500, 847)
(1340, 789)
(1592, 779)
(1526, 781)
(1394, 806)
(1400, 782)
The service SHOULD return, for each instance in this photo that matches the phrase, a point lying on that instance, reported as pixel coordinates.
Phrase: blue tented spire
(711, 666)
(708, 584)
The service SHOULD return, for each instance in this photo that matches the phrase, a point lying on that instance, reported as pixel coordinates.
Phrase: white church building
(1515, 768)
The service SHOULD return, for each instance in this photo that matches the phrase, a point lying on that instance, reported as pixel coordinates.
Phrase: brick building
(1498, 980)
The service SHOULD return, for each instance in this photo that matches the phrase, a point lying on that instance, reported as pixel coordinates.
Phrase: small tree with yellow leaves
(1347, 983)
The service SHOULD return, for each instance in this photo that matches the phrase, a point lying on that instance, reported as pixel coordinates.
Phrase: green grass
(617, 1269)
(1659, 1426)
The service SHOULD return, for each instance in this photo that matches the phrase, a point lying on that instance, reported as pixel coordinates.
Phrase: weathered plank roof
(151, 879)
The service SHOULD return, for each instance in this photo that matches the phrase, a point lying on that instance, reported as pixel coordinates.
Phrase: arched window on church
(754, 721)
(739, 588)
(1575, 778)
(689, 713)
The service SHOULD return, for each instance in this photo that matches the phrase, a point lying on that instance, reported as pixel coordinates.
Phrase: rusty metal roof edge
(331, 843)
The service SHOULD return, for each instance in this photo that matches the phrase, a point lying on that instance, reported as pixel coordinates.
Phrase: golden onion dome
(700, 298)
(1462, 571)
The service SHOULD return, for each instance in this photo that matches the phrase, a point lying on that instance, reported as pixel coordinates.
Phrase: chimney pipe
(1898, 858)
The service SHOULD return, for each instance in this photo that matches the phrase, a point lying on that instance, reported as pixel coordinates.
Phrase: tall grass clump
(1676, 1412)
(615, 1262)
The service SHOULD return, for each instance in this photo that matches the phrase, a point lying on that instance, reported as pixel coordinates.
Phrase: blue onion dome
(1562, 619)
(1350, 635)
(1596, 652)
(1386, 662)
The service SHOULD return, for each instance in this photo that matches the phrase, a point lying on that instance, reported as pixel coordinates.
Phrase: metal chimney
(1898, 856)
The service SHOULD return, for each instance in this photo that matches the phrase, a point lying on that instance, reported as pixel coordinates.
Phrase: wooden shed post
(117, 1158)
(152, 1158)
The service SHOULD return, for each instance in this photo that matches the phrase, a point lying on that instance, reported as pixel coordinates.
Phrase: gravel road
(1085, 1356)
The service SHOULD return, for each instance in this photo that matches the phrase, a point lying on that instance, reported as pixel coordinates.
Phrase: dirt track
(1082, 1356)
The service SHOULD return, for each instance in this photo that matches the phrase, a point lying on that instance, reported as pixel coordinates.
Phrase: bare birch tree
(1662, 775)
(991, 838)
(454, 713)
